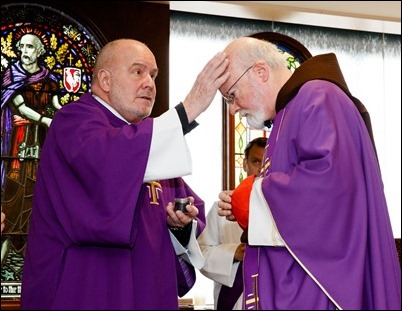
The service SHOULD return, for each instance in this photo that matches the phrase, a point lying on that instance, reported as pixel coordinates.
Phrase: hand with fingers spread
(119, 214)
(204, 89)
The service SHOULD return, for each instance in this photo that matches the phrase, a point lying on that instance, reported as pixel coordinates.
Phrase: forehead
(139, 55)
(256, 149)
(28, 39)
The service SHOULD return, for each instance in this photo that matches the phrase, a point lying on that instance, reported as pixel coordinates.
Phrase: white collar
(111, 109)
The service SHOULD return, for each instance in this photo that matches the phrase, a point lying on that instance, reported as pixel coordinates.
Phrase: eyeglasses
(230, 98)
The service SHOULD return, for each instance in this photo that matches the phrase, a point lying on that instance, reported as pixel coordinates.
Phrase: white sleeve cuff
(192, 253)
(262, 229)
(169, 156)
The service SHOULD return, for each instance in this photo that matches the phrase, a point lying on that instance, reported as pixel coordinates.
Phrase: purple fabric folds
(325, 192)
(98, 237)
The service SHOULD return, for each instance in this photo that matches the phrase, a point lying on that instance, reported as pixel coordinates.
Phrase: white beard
(256, 118)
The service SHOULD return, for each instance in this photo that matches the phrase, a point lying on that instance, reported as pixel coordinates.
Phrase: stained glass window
(46, 63)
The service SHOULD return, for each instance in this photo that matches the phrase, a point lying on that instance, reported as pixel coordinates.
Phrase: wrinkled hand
(178, 218)
(225, 206)
(204, 89)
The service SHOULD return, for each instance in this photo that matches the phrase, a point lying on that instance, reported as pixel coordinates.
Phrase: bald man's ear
(104, 77)
(262, 70)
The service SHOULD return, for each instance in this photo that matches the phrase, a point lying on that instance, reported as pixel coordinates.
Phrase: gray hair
(259, 49)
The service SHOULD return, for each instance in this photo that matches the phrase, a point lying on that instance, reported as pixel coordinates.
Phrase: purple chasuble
(324, 189)
(98, 236)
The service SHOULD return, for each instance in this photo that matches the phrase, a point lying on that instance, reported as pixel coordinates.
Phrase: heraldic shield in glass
(46, 62)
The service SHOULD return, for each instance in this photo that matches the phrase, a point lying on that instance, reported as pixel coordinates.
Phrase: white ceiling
(379, 10)
(375, 16)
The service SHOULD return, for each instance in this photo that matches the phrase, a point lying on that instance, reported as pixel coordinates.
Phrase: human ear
(262, 70)
(104, 78)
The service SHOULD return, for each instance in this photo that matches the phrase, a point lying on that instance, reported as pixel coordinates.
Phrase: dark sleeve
(244, 236)
(187, 127)
(182, 234)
